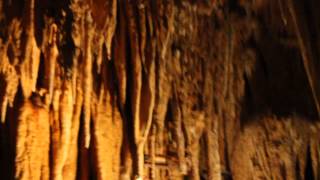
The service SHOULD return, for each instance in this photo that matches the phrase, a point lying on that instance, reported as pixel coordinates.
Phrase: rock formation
(159, 89)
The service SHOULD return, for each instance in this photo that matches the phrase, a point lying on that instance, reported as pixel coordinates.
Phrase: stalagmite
(32, 148)
(153, 152)
(70, 165)
(194, 135)
(211, 131)
(106, 118)
(127, 156)
(62, 130)
(178, 133)
(213, 161)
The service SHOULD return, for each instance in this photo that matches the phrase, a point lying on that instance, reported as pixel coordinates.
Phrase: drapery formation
(159, 89)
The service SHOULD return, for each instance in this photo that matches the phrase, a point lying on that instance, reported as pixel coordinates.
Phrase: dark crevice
(298, 170)
(267, 89)
(308, 172)
(234, 6)
(41, 78)
(283, 171)
(227, 173)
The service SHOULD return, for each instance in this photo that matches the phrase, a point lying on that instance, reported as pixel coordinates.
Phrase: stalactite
(120, 62)
(135, 61)
(110, 26)
(141, 6)
(31, 58)
(147, 104)
(9, 76)
(135, 88)
(305, 44)
(167, 35)
(120, 55)
(50, 56)
(87, 81)
(162, 29)
(10, 84)
(99, 54)
(148, 100)
(104, 14)
(77, 36)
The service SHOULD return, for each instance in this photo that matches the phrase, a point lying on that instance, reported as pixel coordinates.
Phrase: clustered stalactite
(157, 89)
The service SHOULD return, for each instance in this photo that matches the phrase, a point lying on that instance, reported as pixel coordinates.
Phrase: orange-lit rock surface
(159, 89)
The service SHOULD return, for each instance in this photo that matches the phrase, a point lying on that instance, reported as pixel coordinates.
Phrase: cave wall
(159, 89)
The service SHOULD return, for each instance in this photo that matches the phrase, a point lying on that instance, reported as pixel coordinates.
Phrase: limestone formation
(159, 89)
